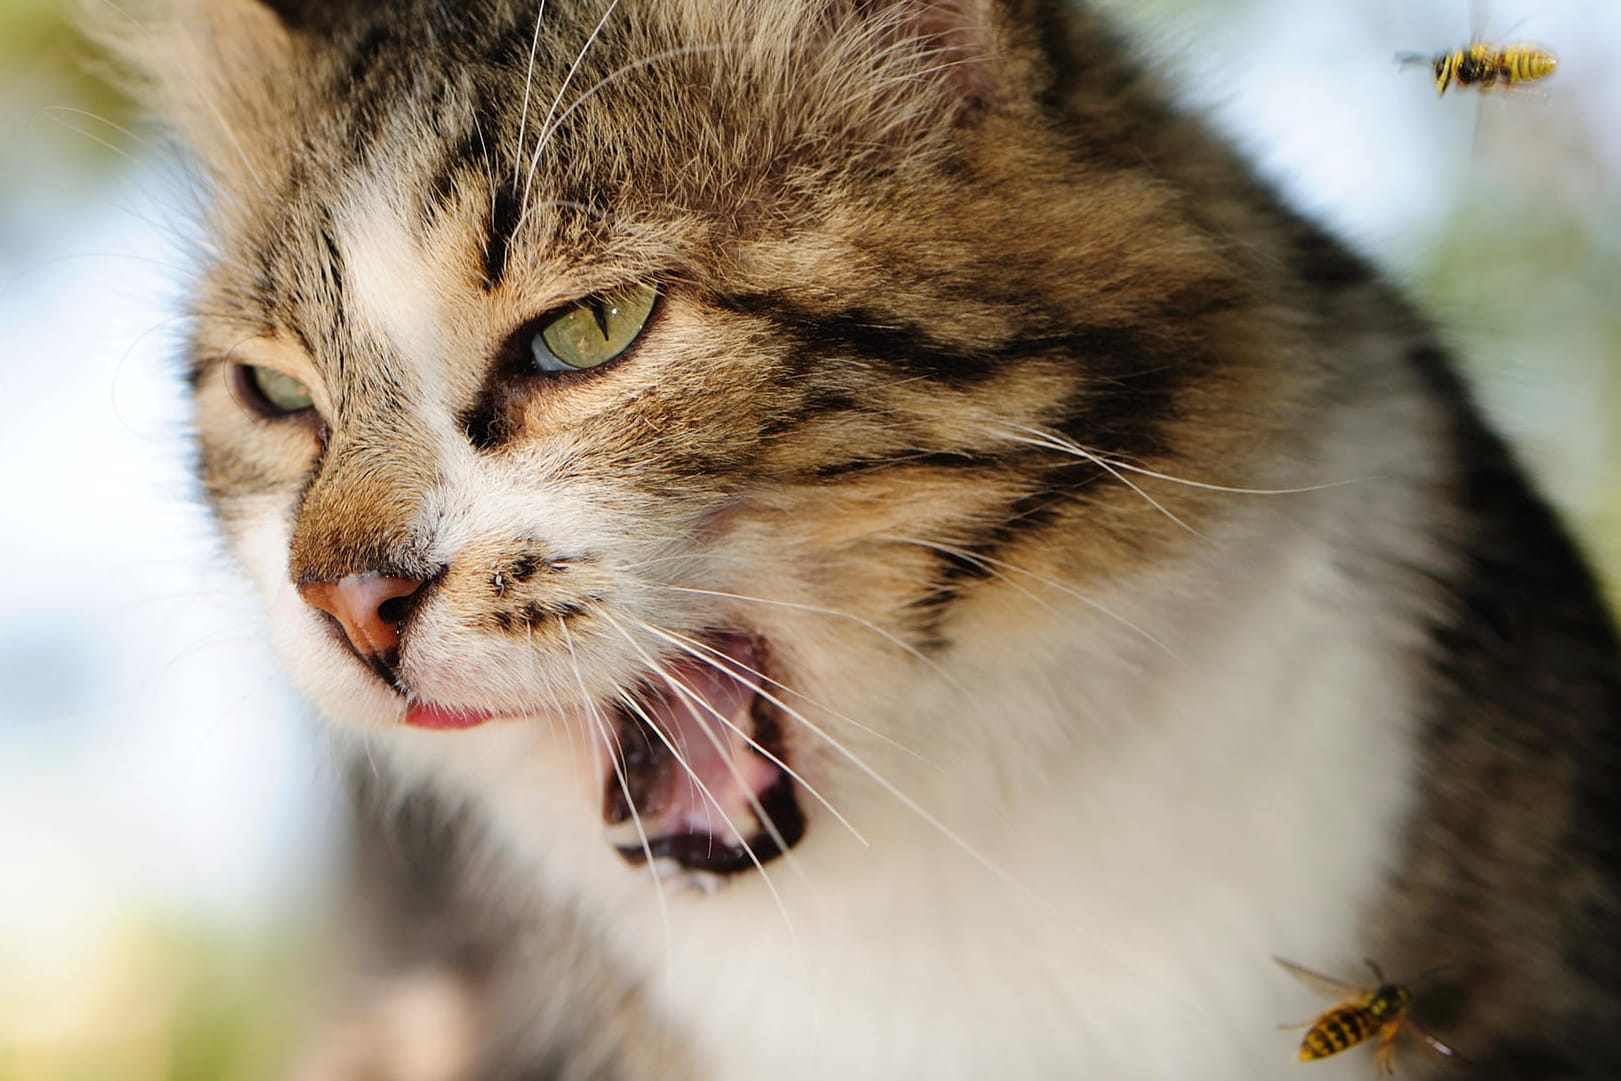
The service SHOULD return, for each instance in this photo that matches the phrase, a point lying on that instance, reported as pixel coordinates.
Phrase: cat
(850, 539)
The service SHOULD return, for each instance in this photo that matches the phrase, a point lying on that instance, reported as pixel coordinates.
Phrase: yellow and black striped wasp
(1480, 65)
(1361, 1014)
(1483, 66)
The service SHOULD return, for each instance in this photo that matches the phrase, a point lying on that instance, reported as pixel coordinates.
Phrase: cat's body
(1123, 591)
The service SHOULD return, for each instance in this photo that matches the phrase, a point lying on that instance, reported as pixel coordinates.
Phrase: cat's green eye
(275, 392)
(593, 331)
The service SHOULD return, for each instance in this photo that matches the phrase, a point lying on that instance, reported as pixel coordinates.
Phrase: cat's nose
(369, 607)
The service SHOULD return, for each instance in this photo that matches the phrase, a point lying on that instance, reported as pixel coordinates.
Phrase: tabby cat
(848, 539)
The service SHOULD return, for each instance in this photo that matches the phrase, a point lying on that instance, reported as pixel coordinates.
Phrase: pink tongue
(721, 767)
(432, 715)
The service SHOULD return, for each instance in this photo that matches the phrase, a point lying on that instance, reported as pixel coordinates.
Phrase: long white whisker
(50, 111)
(686, 692)
(912, 805)
(546, 127)
(1053, 441)
(236, 145)
(908, 802)
(797, 606)
(986, 564)
(802, 696)
(689, 647)
(1103, 464)
(558, 710)
(616, 756)
(528, 82)
(635, 65)
(675, 753)
(988, 561)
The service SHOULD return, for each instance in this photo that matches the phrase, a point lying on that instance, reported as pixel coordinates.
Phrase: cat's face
(738, 387)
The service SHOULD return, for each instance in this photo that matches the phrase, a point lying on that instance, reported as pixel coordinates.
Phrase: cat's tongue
(690, 770)
(433, 715)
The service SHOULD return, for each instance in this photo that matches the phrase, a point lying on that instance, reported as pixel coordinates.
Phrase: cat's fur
(1148, 596)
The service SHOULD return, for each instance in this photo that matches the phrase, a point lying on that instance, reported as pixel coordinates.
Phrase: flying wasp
(1483, 66)
(1361, 1014)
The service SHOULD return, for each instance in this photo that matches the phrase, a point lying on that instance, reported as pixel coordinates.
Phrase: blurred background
(166, 827)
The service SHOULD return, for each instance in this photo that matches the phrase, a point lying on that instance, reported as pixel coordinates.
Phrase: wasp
(1361, 1014)
(1483, 66)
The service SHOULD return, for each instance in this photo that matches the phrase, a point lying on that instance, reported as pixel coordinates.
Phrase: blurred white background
(164, 807)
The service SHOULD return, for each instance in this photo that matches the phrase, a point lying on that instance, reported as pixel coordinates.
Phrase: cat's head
(759, 384)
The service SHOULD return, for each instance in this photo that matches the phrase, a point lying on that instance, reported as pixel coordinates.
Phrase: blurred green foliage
(168, 1003)
(48, 71)
(1525, 287)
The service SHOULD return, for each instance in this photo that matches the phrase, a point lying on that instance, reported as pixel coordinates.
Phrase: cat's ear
(983, 54)
(209, 68)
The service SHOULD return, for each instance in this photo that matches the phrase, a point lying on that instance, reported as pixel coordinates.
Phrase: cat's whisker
(808, 700)
(996, 565)
(703, 789)
(546, 127)
(895, 792)
(888, 636)
(688, 693)
(900, 796)
(45, 264)
(528, 86)
(556, 702)
(987, 566)
(55, 113)
(625, 69)
(759, 811)
(1108, 467)
(689, 647)
(609, 742)
(1054, 441)
(241, 152)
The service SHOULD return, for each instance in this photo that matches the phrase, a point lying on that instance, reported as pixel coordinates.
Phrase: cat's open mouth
(695, 771)
(700, 775)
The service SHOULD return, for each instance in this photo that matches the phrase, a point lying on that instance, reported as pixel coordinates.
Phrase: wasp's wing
(1437, 1046)
(1440, 1048)
(1328, 985)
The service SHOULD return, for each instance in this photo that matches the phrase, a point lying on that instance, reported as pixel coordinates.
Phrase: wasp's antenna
(1374, 965)
(1408, 60)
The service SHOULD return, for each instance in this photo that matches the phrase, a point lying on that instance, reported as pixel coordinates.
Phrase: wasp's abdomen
(1338, 1030)
(1525, 63)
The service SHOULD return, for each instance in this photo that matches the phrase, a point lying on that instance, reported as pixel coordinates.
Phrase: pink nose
(361, 605)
